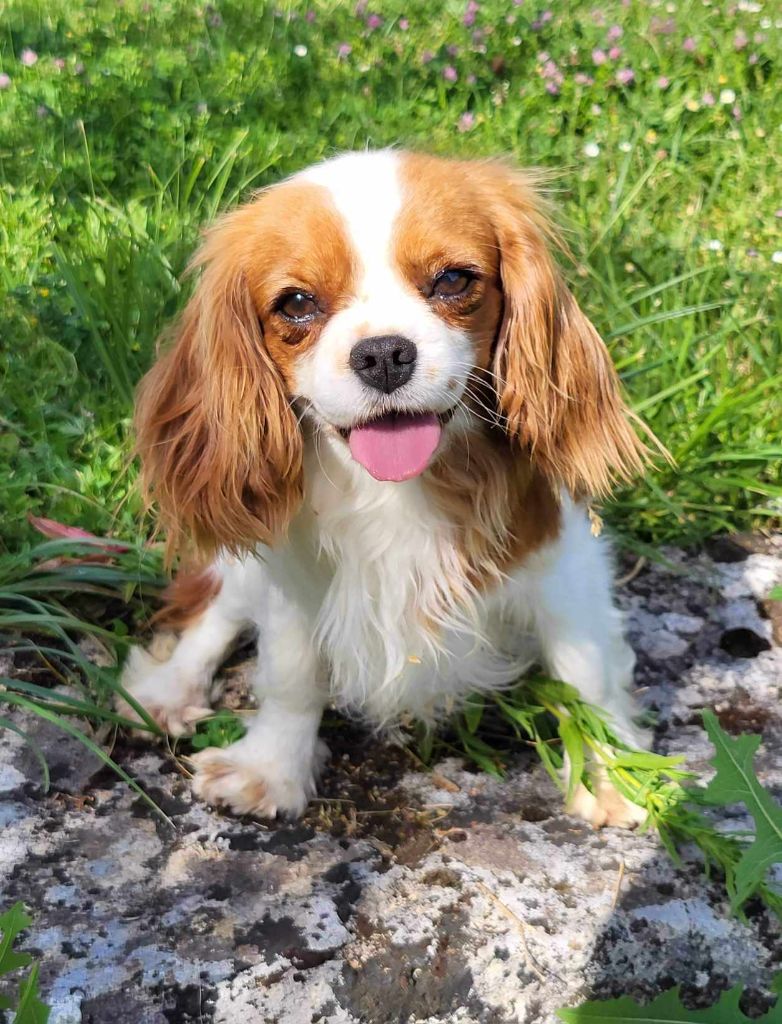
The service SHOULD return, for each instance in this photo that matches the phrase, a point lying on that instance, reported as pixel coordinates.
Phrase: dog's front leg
(274, 768)
(582, 643)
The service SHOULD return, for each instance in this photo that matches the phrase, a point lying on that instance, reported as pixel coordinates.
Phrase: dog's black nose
(384, 363)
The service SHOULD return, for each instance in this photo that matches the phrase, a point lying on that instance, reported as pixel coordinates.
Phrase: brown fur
(442, 225)
(186, 598)
(556, 388)
(503, 508)
(220, 445)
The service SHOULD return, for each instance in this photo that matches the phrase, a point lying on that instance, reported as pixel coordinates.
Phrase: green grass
(138, 122)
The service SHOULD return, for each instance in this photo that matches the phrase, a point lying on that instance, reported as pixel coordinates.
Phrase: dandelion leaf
(31, 1010)
(12, 922)
(736, 782)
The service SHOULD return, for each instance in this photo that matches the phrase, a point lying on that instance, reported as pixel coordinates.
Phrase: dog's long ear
(219, 443)
(556, 385)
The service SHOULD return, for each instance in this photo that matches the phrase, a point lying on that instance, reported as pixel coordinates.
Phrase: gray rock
(403, 895)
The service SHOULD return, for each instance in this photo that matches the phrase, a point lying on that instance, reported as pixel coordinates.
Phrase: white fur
(344, 608)
(340, 613)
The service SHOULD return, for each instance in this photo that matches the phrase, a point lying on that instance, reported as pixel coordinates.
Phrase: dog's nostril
(385, 363)
(405, 354)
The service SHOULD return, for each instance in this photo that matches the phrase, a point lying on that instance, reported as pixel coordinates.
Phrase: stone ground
(404, 896)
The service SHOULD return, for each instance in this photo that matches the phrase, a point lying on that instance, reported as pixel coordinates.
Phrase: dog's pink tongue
(396, 447)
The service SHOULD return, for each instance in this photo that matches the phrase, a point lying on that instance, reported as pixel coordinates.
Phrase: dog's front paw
(605, 805)
(244, 784)
(171, 700)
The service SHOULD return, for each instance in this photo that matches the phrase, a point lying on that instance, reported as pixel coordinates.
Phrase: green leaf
(574, 748)
(776, 594)
(667, 1009)
(12, 922)
(31, 1010)
(473, 713)
(736, 782)
(646, 759)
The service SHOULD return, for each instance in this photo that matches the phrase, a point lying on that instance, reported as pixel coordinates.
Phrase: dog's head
(383, 297)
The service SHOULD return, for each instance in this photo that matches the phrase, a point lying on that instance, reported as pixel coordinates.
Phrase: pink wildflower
(660, 27)
(470, 13)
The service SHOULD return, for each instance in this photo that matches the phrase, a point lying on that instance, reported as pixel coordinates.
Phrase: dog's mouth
(398, 446)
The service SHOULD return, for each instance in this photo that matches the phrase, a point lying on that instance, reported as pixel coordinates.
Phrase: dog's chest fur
(401, 625)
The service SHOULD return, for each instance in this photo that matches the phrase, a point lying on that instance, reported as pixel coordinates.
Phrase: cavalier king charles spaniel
(379, 425)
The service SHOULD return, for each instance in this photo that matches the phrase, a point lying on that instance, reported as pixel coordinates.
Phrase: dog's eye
(452, 282)
(297, 306)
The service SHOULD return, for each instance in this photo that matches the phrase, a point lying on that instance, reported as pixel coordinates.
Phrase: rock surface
(403, 895)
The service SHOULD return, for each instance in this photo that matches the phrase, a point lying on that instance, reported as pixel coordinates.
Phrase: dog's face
(377, 285)
(374, 295)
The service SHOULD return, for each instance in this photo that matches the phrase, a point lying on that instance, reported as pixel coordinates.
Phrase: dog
(379, 426)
